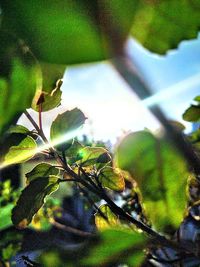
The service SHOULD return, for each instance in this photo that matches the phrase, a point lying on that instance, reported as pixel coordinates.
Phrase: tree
(38, 40)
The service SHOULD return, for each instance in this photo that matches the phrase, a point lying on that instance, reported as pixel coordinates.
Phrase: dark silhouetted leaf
(161, 175)
(42, 170)
(32, 199)
(64, 127)
(112, 178)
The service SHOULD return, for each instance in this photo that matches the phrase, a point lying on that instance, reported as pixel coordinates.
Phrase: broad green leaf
(19, 79)
(49, 96)
(42, 170)
(105, 218)
(65, 127)
(162, 25)
(5, 216)
(192, 114)
(111, 247)
(93, 156)
(32, 199)
(112, 178)
(20, 129)
(17, 148)
(197, 99)
(161, 175)
(116, 246)
(71, 31)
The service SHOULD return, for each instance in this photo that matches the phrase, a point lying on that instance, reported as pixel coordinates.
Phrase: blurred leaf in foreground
(160, 173)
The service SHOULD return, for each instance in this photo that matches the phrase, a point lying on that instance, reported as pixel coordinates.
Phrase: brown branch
(71, 229)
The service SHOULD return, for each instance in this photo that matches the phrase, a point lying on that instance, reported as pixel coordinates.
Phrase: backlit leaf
(64, 128)
(42, 170)
(49, 96)
(161, 175)
(93, 156)
(105, 218)
(112, 178)
(162, 25)
(17, 148)
(32, 199)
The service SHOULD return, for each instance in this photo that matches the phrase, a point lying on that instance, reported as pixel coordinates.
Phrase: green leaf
(49, 96)
(116, 246)
(5, 214)
(93, 156)
(19, 129)
(162, 25)
(112, 178)
(64, 127)
(19, 79)
(32, 199)
(72, 31)
(42, 170)
(160, 173)
(105, 218)
(17, 148)
(192, 114)
(197, 99)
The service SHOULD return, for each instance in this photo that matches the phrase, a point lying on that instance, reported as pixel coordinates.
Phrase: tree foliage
(150, 210)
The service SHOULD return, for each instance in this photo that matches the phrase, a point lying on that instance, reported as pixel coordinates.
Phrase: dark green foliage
(192, 114)
(144, 185)
(32, 199)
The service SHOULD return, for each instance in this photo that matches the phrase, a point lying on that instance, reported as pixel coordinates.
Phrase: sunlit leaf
(32, 199)
(116, 246)
(5, 216)
(64, 127)
(18, 148)
(197, 99)
(161, 175)
(162, 25)
(20, 129)
(19, 79)
(192, 114)
(105, 218)
(71, 31)
(42, 170)
(49, 96)
(93, 156)
(112, 178)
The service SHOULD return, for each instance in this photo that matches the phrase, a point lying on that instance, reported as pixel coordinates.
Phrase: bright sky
(109, 104)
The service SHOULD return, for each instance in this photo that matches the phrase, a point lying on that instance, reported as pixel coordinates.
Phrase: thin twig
(71, 229)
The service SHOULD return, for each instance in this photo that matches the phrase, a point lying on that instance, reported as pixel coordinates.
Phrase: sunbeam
(29, 153)
(172, 91)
